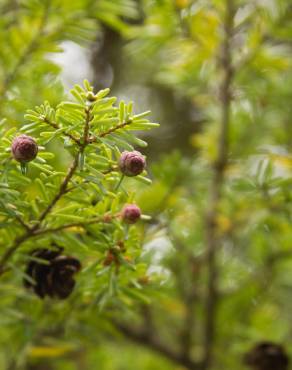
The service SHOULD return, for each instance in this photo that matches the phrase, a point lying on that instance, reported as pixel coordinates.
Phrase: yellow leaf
(181, 4)
(224, 224)
(43, 351)
(76, 229)
(282, 160)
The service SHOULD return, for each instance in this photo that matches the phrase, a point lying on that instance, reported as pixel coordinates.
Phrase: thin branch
(30, 233)
(105, 172)
(10, 251)
(71, 172)
(185, 278)
(56, 126)
(190, 298)
(140, 336)
(22, 223)
(111, 130)
(96, 220)
(147, 314)
(62, 190)
(216, 187)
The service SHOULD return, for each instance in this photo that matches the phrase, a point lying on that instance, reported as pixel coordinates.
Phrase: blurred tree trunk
(178, 116)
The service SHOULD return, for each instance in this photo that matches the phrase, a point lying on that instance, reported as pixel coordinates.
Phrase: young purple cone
(131, 213)
(24, 148)
(132, 163)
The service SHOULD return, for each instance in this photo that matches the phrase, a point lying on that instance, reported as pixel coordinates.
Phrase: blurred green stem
(215, 192)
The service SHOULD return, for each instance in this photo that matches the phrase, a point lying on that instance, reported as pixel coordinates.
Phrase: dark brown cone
(267, 356)
(55, 279)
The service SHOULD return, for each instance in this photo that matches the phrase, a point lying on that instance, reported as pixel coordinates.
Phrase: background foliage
(200, 66)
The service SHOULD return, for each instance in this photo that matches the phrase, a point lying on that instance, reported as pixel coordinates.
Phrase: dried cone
(56, 278)
(267, 356)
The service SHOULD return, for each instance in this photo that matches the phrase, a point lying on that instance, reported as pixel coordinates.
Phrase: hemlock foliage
(208, 272)
(79, 207)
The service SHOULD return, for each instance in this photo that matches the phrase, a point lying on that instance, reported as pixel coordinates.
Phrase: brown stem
(22, 223)
(96, 220)
(37, 232)
(56, 126)
(186, 273)
(105, 172)
(61, 192)
(141, 336)
(216, 187)
(30, 233)
(10, 251)
(72, 170)
(109, 131)
(190, 300)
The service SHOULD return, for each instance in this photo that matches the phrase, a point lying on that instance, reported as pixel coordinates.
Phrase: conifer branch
(56, 127)
(111, 130)
(62, 190)
(22, 223)
(96, 220)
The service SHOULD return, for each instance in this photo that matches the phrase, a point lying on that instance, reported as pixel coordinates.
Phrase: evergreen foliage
(78, 209)
(203, 275)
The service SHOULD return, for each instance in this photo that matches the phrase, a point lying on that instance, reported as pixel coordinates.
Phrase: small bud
(24, 148)
(109, 259)
(107, 218)
(121, 245)
(131, 213)
(90, 96)
(132, 163)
